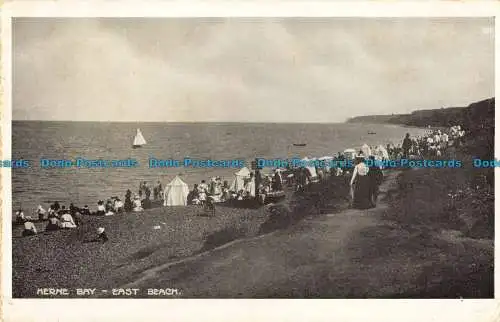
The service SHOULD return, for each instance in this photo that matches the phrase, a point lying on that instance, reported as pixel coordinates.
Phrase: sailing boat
(138, 140)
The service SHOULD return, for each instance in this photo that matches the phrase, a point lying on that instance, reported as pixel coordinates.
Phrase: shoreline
(46, 184)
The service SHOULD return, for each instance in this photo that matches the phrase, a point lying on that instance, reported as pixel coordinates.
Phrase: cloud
(246, 69)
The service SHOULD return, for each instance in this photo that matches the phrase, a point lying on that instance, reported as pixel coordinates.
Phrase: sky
(246, 70)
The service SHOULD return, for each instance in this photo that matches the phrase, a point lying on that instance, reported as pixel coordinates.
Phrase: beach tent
(366, 150)
(327, 162)
(176, 192)
(239, 179)
(350, 153)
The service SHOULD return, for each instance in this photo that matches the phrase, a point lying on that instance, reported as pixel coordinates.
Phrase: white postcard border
(227, 310)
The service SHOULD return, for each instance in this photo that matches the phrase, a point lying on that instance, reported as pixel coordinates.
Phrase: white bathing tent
(350, 153)
(176, 193)
(239, 179)
(327, 161)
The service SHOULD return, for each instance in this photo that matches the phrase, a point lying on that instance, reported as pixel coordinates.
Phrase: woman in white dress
(250, 187)
(67, 221)
(118, 205)
(202, 192)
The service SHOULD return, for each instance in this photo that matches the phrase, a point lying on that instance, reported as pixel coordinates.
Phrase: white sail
(139, 139)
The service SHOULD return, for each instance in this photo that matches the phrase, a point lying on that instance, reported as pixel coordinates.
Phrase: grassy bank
(450, 214)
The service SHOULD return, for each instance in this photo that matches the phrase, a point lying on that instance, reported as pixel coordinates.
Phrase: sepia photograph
(252, 157)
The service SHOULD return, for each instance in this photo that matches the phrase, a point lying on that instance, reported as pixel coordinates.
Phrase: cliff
(473, 117)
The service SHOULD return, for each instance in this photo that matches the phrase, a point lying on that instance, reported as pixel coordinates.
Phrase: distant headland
(468, 116)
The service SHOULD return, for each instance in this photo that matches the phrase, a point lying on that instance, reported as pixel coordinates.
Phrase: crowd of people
(57, 217)
(365, 180)
(257, 186)
(432, 144)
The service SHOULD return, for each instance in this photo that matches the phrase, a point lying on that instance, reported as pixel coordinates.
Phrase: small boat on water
(138, 140)
(299, 144)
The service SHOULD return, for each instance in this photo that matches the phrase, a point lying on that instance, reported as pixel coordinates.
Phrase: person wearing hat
(42, 213)
(278, 180)
(101, 210)
(407, 144)
(157, 190)
(250, 187)
(360, 185)
(118, 205)
(137, 204)
(20, 217)
(85, 211)
(376, 177)
(128, 201)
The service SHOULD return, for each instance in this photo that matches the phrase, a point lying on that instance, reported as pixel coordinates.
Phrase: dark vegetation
(452, 210)
(329, 195)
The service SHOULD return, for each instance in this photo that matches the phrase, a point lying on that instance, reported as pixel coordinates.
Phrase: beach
(313, 246)
(333, 252)
(66, 258)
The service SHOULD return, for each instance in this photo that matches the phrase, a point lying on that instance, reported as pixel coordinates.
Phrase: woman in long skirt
(360, 185)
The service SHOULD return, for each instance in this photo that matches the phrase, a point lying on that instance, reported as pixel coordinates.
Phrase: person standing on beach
(141, 188)
(147, 191)
(157, 191)
(360, 185)
(202, 192)
(406, 145)
(56, 206)
(67, 221)
(101, 235)
(250, 187)
(41, 213)
(376, 177)
(128, 201)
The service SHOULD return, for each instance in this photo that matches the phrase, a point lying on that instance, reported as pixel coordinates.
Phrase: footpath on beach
(299, 261)
(353, 253)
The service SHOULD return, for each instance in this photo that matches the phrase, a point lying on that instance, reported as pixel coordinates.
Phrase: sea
(35, 140)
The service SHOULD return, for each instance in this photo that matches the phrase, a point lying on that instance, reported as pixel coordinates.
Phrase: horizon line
(346, 120)
(178, 122)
